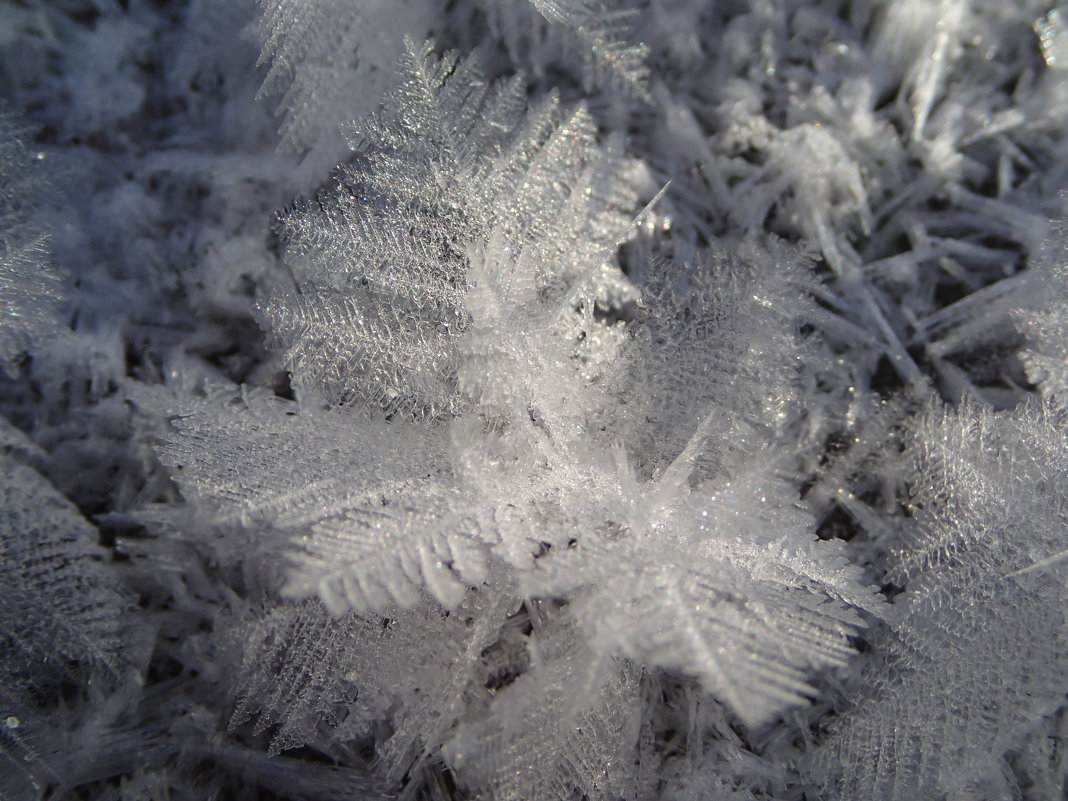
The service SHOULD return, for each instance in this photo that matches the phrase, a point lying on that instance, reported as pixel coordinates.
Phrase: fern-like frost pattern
(444, 304)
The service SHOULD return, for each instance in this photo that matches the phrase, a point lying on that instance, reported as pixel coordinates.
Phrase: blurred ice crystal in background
(1050, 30)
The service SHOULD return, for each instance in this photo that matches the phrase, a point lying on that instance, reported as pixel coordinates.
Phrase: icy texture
(325, 60)
(379, 259)
(330, 61)
(1046, 327)
(542, 738)
(354, 488)
(667, 409)
(717, 338)
(30, 289)
(602, 29)
(305, 667)
(478, 324)
(61, 620)
(57, 594)
(1050, 30)
(976, 650)
(379, 511)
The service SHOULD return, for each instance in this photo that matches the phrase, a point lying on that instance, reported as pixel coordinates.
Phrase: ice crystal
(661, 400)
(476, 322)
(61, 618)
(30, 289)
(975, 651)
(1045, 355)
(379, 260)
(1050, 30)
(602, 29)
(324, 59)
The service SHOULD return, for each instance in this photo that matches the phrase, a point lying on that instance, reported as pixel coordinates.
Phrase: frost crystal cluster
(533, 400)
